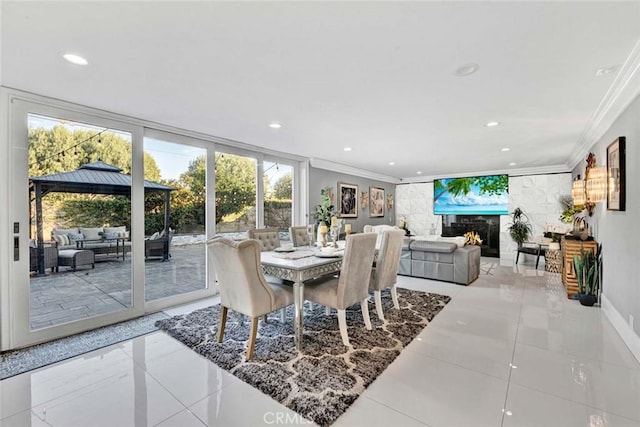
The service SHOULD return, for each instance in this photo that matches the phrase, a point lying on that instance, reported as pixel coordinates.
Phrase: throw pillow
(61, 239)
(110, 236)
(154, 236)
(74, 237)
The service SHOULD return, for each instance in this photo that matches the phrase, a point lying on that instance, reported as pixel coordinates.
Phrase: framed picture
(348, 194)
(389, 202)
(376, 202)
(364, 200)
(616, 175)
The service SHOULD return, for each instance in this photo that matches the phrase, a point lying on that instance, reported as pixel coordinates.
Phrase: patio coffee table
(75, 258)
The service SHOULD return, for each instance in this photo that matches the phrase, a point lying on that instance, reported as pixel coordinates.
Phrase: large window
(278, 195)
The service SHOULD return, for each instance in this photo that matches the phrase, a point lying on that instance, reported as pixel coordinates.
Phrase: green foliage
(519, 228)
(494, 184)
(96, 210)
(277, 213)
(235, 184)
(568, 209)
(587, 268)
(282, 189)
(325, 210)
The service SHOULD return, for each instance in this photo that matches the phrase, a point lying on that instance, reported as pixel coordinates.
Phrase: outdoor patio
(67, 295)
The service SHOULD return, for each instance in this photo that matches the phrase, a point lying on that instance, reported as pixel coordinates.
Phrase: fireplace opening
(487, 227)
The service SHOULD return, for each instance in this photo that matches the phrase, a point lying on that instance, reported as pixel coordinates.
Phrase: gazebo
(91, 178)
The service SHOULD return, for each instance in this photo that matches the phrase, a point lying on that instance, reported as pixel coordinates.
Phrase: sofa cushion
(115, 229)
(61, 239)
(64, 231)
(74, 237)
(458, 240)
(92, 233)
(428, 246)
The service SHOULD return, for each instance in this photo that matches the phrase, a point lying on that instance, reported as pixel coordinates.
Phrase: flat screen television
(476, 195)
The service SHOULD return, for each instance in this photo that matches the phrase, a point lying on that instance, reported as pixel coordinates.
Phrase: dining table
(299, 265)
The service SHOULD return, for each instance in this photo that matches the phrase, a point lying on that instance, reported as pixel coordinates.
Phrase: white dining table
(300, 270)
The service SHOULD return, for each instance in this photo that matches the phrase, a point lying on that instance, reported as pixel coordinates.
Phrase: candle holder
(335, 232)
(323, 237)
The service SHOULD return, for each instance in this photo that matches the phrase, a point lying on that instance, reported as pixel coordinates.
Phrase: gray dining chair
(268, 238)
(243, 287)
(299, 236)
(351, 286)
(385, 273)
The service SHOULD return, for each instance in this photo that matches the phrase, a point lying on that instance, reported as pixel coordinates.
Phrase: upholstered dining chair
(268, 238)
(351, 286)
(299, 236)
(385, 273)
(243, 287)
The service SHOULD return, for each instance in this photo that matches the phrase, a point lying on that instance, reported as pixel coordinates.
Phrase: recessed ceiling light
(605, 70)
(419, 172)
(347, 148)
(75, 59)
(392, 163)
(275, 125)
(466, 70)
(492, 124)
(512, 164)
(505, 149)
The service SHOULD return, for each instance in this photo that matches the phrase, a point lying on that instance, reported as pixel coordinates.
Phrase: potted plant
(587, 268)
(519, 229)
(569, 210)
(325, 210)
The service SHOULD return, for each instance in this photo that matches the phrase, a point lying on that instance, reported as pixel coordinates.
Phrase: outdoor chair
(385, 273)
(50, 258)
(268, 238)
(243, 287)
(159, 247)
(351, 286)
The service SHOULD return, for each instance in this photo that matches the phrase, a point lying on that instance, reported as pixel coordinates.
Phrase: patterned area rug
(326, 378)
(19, 361)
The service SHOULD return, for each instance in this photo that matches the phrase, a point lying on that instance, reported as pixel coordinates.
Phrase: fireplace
(487, 227)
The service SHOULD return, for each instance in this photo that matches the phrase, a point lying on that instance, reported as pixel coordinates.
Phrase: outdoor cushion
(110, 235)
(117, 230)
(155, 236)
(61, 239)
(92, 233)
(73, 237)
(64, 231)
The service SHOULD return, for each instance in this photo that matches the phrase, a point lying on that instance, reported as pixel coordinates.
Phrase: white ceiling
(377, 77)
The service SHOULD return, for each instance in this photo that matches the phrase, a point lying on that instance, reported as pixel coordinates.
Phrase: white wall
(618, 232)
(537, 195)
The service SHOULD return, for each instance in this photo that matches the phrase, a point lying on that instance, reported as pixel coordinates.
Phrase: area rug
(20, 361)
(323, 380)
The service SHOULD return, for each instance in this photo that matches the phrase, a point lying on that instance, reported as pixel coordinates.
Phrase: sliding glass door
(175, 217)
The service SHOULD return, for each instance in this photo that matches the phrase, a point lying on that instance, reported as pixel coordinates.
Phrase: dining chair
(268, 238)
(299, 236)
(243, 287)
(385, 273)
(531, 248)
(351, 286)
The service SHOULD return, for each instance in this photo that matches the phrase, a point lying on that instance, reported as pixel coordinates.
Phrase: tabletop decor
(323, 380)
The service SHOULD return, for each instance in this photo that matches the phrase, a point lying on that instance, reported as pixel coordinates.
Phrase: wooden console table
(569, 249)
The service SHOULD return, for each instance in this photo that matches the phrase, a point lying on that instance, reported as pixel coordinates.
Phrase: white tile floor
(509, 350)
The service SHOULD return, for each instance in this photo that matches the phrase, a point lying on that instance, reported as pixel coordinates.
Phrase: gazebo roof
(94, 178)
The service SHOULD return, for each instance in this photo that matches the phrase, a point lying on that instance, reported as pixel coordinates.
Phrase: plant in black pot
(519, 229)
(587, 268)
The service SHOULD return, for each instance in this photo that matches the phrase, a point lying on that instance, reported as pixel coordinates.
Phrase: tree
(283, 187)
(235, 184)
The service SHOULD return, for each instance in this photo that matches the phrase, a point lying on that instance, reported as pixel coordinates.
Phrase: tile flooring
(509, 350)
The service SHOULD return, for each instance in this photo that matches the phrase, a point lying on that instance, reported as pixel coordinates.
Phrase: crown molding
(542, 170)
(340, 168)
(624, 89)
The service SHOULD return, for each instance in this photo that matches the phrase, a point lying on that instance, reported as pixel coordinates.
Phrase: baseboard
(630, 338)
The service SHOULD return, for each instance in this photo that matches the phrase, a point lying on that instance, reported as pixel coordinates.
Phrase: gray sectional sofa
(440, 261)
